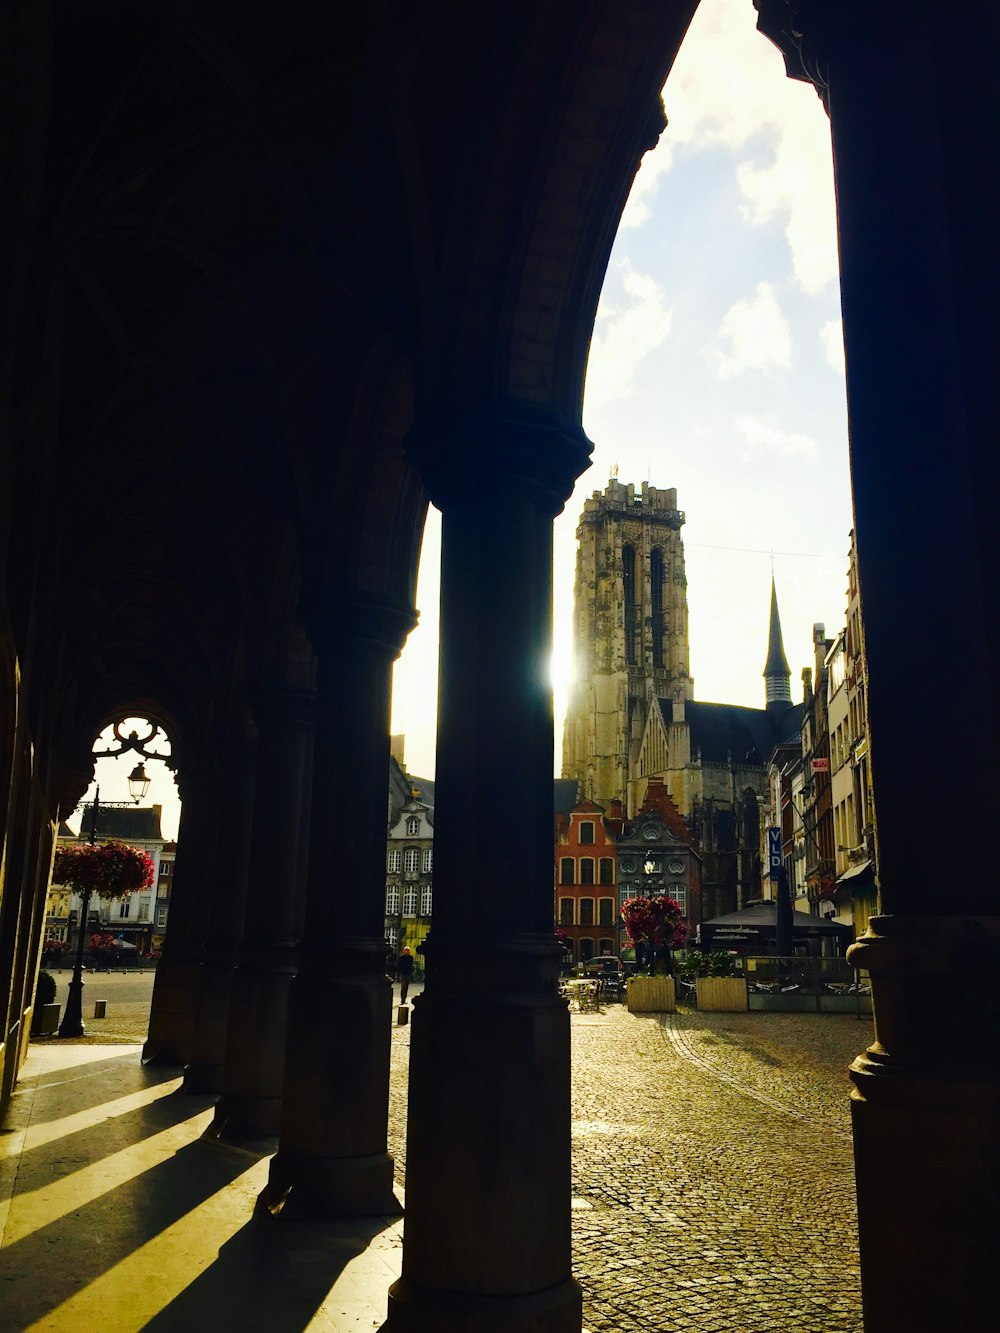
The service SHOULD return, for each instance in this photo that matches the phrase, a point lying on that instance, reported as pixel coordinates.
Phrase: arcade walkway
(712, 1181)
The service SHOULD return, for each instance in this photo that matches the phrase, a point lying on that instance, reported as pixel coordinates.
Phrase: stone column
(487, 1238)
(204, 1071)
(332, 1158)
(174, 1008)
(911, 96)
(250, 1106)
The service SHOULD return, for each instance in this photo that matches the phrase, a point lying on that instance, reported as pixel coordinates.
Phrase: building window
(607, 872)
(565, 911)
(392, 861)
(165, 867)
(625, 892)
(680, 894)
(123, 908)
(566, 871)
(425, 900)
(628, 588)
(391, 899)
(586, 911)
(656, 593)
(587, 870)
(392, 937)
(606, 912)
(143, 913)
(161, 917)
(410, 900)
(412, 826)
(411, 860)
(607, 948)
(586, 833)
(428, 860)
(586, 950)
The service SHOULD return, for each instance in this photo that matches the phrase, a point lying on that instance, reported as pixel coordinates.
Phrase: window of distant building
(428, 860)
(392, 937)
(586, 832)
(143, 912)
(391, 899)
(586, 950)
(606, 912)
(161, 917)
(607, 871)
(607, 947)
(586, 911)
(587, 870)
(625, 892)
(392, 861)
(566, 871)
(425, 900)
(123, 908)
(680, 894)
(412, 826)
(165, 867)
(565, 911)
(656, 594)
(411, 860)
(410, 900)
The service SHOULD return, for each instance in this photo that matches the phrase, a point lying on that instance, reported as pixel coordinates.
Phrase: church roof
(720, 732)
(777, 662)
(563, 795)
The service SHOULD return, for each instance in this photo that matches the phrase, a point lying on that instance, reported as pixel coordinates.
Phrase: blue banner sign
(774, 861)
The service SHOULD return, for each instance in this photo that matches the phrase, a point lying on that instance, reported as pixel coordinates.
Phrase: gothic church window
(656, 593)
(628, 580)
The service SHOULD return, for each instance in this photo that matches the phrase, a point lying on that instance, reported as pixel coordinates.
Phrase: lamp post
(72, 1023)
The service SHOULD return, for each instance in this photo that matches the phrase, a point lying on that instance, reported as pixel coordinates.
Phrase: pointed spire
(777, 673)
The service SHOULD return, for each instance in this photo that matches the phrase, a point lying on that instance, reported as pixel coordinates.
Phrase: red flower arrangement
(110, 869)
(659, 922)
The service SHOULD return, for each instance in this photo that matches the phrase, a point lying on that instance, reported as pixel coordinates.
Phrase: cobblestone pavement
(712, 1171)
(712, 1167)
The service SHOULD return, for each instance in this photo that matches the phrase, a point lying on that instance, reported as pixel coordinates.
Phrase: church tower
(630, 632)
(777, 673)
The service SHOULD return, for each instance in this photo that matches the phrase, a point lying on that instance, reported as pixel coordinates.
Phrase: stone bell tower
(630, 629)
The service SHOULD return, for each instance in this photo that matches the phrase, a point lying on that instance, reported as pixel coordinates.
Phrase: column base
(159, 1052)
(305, 1186)
(415, 1309)
(925, 1107)
(238, 1118)
(202, 1078)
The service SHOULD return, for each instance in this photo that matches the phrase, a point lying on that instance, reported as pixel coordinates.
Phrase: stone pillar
(332, 1158)
(487, 1238)
(911, 96)
(174, 1008)
(204, 1071)
(250, 1106)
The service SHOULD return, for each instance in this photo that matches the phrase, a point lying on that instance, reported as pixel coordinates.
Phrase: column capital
(334, 624)
(517, 445)
(800, 31)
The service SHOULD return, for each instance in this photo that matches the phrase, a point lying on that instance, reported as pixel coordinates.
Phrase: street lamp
(138, 783)
(72, 1023)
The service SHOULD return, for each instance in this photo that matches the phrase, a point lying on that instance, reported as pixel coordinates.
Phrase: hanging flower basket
(655, 926)
(110, 869)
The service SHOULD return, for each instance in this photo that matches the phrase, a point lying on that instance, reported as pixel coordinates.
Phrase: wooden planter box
(723, 995)
(651, 995)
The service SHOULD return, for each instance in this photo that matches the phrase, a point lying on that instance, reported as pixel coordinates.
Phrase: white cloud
(754, 336)
(763, 437)
(624, 335)
(832, 336)
(728, 86)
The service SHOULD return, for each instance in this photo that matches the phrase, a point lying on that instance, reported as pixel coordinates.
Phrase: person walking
(404, 971)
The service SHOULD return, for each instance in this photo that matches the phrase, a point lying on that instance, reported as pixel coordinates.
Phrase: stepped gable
(658, 801)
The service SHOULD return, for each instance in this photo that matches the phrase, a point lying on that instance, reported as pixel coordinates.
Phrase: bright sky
(717, 368)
